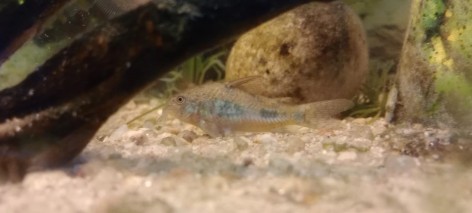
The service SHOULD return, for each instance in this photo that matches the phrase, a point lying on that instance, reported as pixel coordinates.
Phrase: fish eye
(180, 99)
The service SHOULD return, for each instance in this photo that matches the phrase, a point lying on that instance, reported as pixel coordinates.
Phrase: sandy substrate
(364, 166)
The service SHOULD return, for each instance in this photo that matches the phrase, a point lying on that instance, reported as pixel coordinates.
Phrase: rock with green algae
(435, 73)
(315, 52)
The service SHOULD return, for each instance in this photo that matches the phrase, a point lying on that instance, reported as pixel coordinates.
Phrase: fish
(223, 108)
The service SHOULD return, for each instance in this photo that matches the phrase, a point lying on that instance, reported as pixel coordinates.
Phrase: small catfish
(223, 108)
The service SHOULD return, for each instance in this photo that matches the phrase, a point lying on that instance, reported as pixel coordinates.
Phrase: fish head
(189, 104)
(182, 106)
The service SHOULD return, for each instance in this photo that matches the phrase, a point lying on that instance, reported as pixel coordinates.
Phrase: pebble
(281, 166)
(361, 143)
(400, 163)
(137, 137)
(147, 183)
(266, 138)
(133, 202)
(347, 156)
(149, 124)
(361, 121)
(295, 144)
(168, 141)
(175, 122)
(173, 141)
(242, 143)
(188, 135)
(418, 126)
(360, 131)
(128, 146)
(180, 141)
(119, 132)
(379, 128)
(377, 151)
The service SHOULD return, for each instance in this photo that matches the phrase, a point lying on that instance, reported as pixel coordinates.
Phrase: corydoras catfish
(221, 108)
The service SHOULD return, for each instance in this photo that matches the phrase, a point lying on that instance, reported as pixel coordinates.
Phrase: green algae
(443, 41)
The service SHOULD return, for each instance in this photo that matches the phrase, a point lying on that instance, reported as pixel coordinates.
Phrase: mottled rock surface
(315, 52)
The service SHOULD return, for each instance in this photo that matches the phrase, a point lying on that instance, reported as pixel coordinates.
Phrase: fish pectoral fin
(164, 116)
(213, 129)
(241, 81)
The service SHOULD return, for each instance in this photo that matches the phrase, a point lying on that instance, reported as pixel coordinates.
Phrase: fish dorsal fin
(241, 81)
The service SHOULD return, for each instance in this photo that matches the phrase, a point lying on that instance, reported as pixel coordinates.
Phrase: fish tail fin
(320, 113)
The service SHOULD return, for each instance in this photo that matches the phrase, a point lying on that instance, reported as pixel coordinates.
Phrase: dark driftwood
(19, 22)
(50, 117)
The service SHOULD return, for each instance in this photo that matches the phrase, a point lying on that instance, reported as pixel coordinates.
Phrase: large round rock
(315, 52)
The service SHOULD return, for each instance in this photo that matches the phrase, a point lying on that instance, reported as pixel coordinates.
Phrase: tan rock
(315, 52)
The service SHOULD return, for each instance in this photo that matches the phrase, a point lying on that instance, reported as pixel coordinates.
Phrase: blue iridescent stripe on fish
(268, 114)
(228, 109)
(190, 108)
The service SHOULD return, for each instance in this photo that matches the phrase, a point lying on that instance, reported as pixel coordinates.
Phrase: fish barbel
(223, 108)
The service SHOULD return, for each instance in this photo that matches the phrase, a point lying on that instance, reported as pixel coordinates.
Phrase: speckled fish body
(222, 108)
